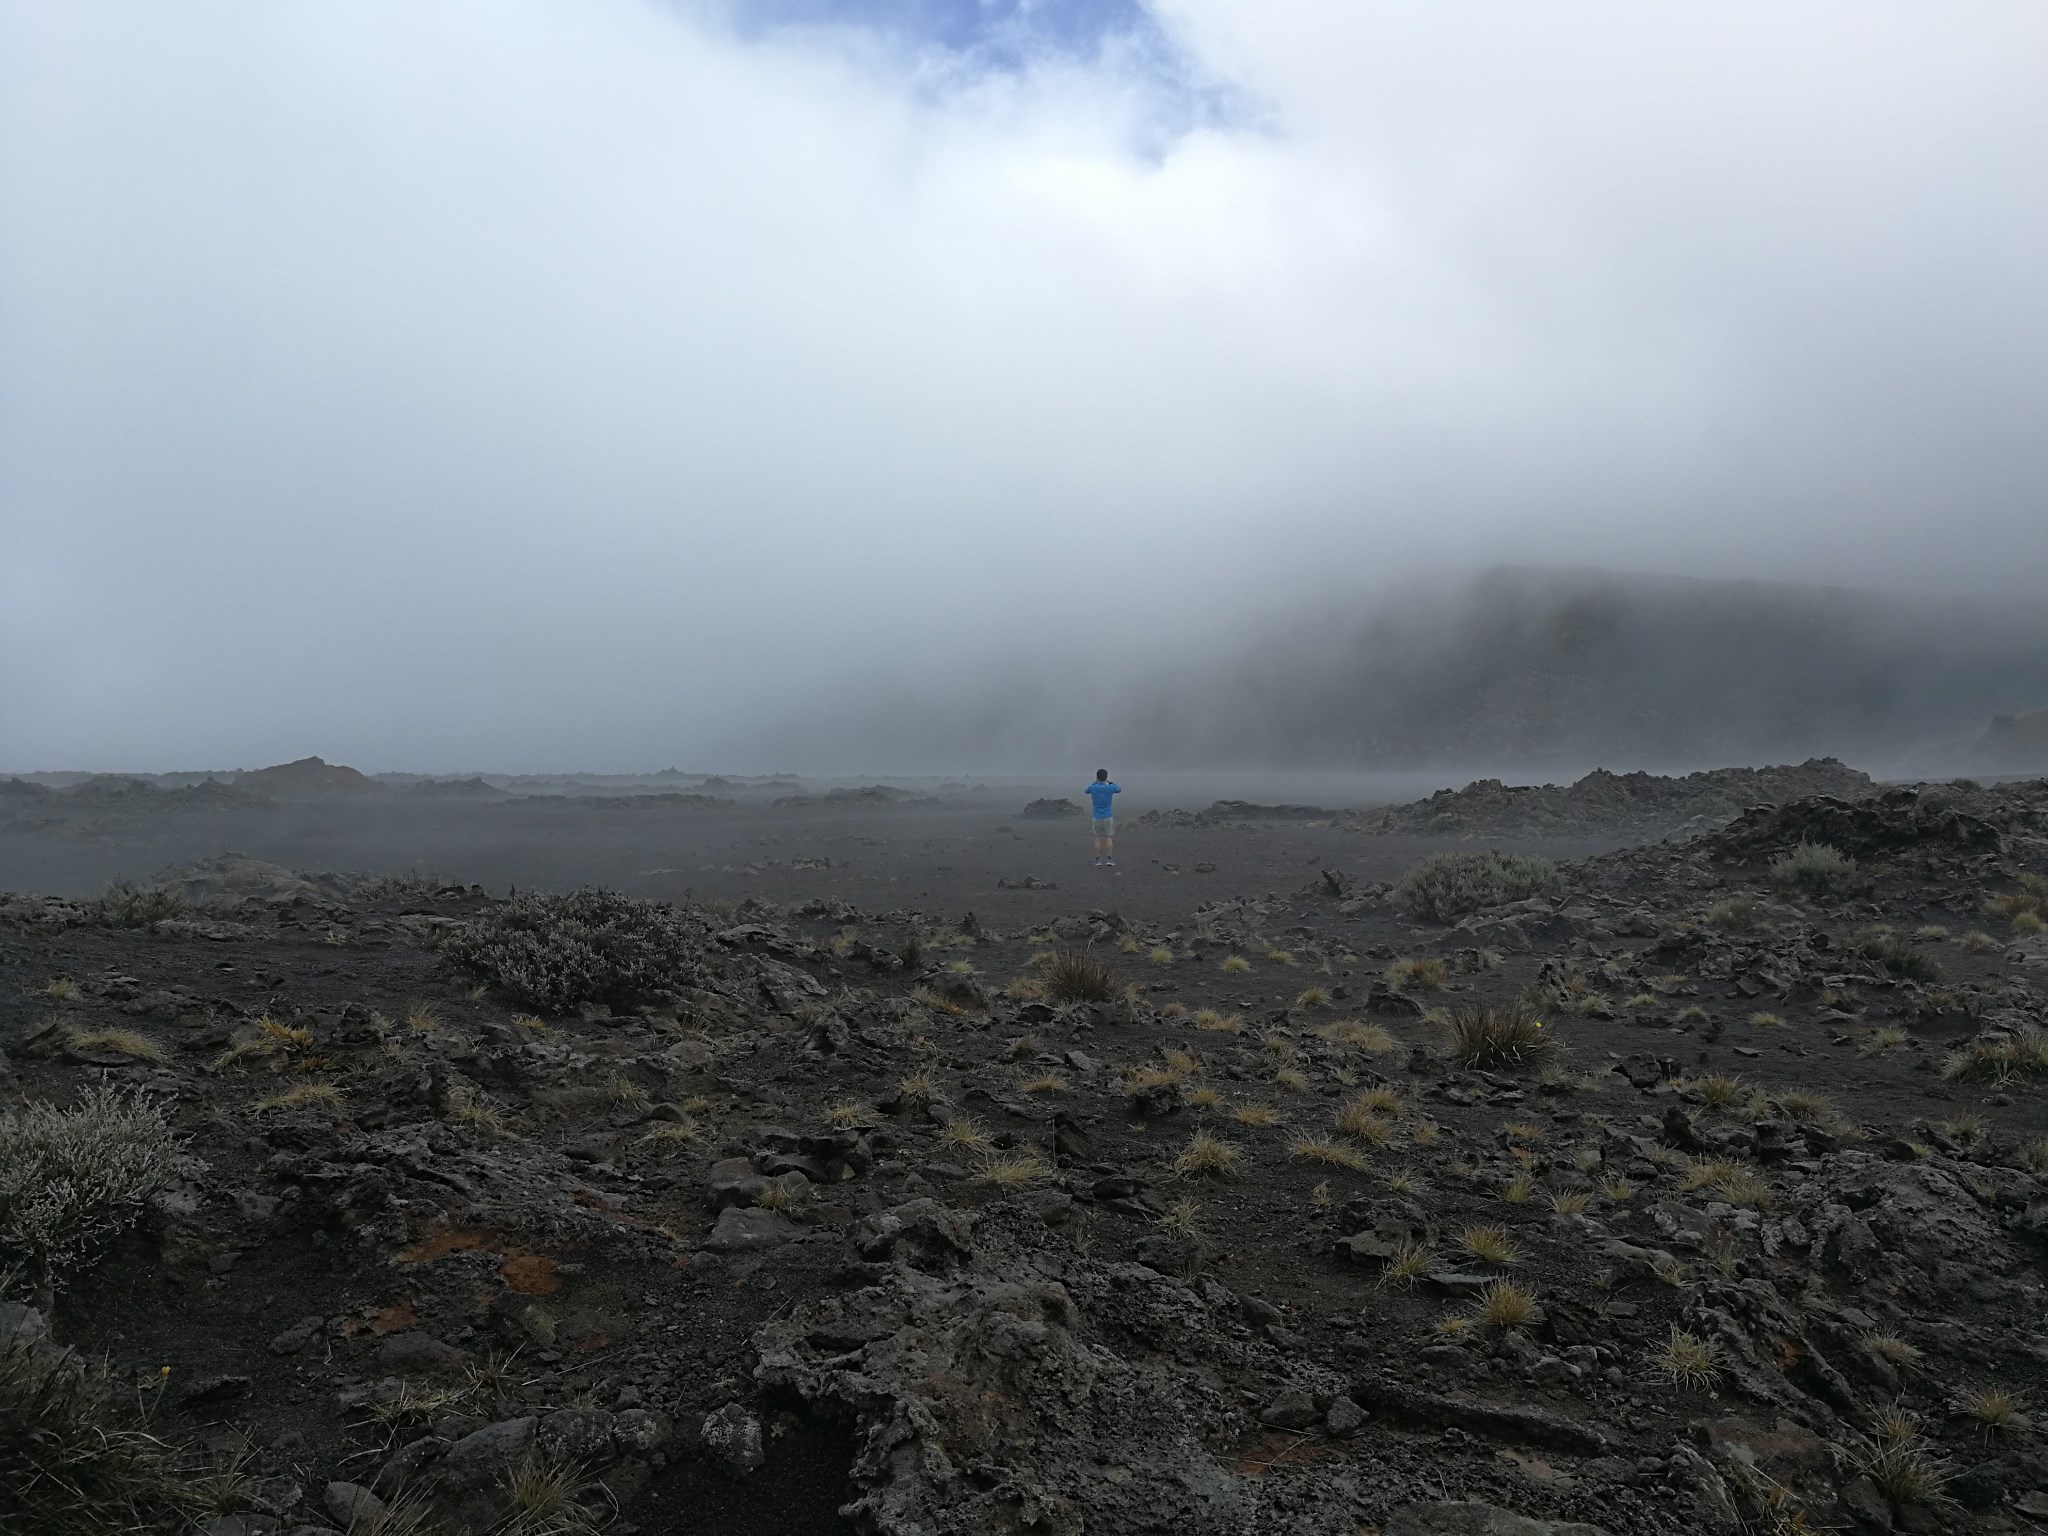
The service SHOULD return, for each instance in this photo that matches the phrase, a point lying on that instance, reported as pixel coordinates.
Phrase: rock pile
(1639, 804)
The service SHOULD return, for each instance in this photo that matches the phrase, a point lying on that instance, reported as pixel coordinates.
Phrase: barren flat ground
(944, 858)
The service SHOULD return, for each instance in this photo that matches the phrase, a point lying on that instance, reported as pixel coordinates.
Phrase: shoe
(1111, 863)
(1098, 863)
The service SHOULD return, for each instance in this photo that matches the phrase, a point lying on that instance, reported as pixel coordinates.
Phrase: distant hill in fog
(1517, 667)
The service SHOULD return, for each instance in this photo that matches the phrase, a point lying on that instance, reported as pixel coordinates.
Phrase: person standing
(1100, 793)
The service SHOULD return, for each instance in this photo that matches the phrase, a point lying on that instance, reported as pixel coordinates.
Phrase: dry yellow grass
(1373, 1039)
(1257, 1115)
(1503, 1304)
(1206, 1154)
(967, 1134)
(1045, 1082)
(120, 1042)
(1235, 964)
(1216, 1023)
(1356, 1120)
(1489, 1245)
(1424, 974)
(1322, 1149)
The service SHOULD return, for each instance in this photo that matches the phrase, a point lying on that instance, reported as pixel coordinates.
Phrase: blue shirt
(1100, 792)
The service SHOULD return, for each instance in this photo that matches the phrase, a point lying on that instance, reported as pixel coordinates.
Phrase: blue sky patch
(969, 39)
(991, 34)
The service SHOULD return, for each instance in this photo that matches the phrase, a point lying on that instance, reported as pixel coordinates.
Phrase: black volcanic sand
(1880, 1250)
(944, 860)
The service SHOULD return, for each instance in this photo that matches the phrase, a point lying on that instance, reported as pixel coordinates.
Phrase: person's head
(1102, 775)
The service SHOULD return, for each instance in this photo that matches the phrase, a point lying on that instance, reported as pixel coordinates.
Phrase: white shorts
(1105, 826)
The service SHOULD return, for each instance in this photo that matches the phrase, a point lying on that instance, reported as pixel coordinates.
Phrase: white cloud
(459, 383)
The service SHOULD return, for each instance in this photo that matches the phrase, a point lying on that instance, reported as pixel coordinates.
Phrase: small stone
(741, 1229)
(352, 1505)
(732, 1437)
(1292, 1409)
(1344, 1418)
(298, 1336)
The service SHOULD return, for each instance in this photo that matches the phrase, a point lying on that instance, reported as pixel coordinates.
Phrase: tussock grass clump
(1322, 1149)
(121, 1042)
(1492, 1039)
(1896, 956)
(1994, 1407)
(466, 1106)
(2027, 907)
(61, 989)
(1504, 1304)
(1718, 1090)
(70, 1463)
(1424, 974)
(1312, 997)
(1160, 956)
(125, 905)
(1210, 1021)
(1235, 965)
(1447, 886)
(1808, 1105)
(305, 1096)
(1904, 1466)
(1208, 1154)
(1257, 1115)
(1358, 1119)
(1489, 1245)
(1373, 1039)
(73, 1180)
(1571, 1202)
(1382, 1101)
(2002, 1058)
(1411, 1261)
(1814, 867)
(1014, 1172)
(966, 1133)
(1889, 1346)
(1731, 1181)
(1045, 1082)
(1076, 976)
(1687, 1360)
(556, 953)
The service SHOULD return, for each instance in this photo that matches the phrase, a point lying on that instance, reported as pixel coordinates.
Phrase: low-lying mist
(1537, 671)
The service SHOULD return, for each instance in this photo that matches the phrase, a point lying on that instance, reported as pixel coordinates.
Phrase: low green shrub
(125, 905)
(1447, 886)
(1897, 957)
(73, 1180)
(555, 953)
(1814, 867)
